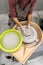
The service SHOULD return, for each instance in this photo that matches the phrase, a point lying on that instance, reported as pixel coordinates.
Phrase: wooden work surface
(21, 55)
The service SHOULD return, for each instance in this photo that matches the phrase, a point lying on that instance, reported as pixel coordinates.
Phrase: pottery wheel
(32, 37)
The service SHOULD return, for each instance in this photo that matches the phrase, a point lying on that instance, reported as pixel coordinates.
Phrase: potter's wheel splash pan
(36, 28)
(31, 38)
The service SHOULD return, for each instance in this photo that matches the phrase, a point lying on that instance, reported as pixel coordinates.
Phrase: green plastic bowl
(4, 34)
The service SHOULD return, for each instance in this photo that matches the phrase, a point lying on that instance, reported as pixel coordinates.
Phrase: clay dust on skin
(11, 40)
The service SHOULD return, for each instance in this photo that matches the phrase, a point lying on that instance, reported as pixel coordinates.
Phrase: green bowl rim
(6, 32)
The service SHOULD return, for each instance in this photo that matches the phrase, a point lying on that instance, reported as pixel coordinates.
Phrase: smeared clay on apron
(22, 14)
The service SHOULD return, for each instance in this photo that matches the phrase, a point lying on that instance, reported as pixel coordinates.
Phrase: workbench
(23, 57)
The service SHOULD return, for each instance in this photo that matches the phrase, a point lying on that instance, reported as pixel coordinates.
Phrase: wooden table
(22, 56)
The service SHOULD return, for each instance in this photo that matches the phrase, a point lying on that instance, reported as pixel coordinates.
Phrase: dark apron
(21, 15)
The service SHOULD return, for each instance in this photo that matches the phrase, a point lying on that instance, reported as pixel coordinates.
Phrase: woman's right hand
(17, 21)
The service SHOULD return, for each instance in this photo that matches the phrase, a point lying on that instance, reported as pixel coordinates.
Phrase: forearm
(32, 5)
(17, 21)
(29, 18)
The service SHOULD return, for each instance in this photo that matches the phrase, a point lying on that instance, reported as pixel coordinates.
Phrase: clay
(32, 37)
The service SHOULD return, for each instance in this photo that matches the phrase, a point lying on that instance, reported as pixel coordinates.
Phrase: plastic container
(4, 34)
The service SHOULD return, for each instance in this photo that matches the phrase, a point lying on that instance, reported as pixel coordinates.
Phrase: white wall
(4, 8)
(39, 5)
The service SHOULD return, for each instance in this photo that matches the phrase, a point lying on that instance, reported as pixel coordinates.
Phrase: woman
(20, 10)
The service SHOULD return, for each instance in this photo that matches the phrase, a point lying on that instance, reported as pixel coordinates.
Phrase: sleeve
(12, 7)
(32, 5)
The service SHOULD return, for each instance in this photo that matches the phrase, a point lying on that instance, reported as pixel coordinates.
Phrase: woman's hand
(28, 23)
(17, 21)
(27, 31)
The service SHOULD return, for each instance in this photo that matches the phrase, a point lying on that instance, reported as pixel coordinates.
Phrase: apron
(21, 15)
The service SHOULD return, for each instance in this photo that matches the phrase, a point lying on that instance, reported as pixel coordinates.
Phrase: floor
(36, 58)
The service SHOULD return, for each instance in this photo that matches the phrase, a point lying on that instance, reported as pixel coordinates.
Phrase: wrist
(17, 21)
(29, 17)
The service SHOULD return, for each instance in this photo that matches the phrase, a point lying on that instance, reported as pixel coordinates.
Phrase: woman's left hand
(29, 19)
(28, 23)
